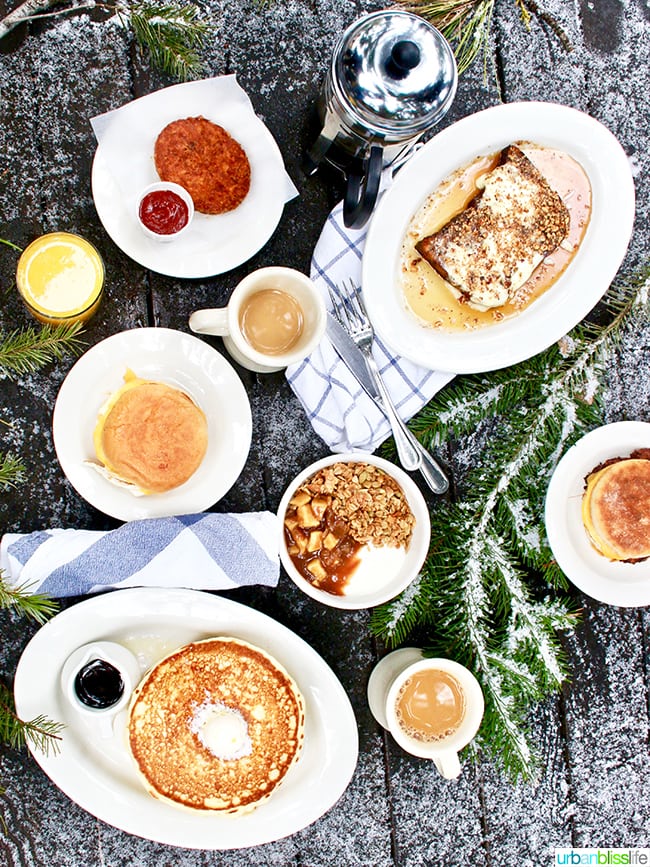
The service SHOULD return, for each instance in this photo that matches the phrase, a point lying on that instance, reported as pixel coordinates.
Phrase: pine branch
(28, 349)
(37, 606)
(42, 733)
(171, 32)
(473, 600)
(11, 470)
(467, 24)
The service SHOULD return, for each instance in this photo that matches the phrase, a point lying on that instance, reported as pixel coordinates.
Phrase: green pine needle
(11, 471)
(28, 349)
(474, 601)
(11, 244)
(467, 24)
(42, 733)
(37, 606)
(171, 32)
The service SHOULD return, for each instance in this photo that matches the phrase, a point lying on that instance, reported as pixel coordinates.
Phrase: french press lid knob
(404, 56)
(394, 73)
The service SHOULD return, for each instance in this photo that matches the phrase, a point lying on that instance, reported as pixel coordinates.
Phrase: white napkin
(203, 551)
(127, 136)
(342, 414)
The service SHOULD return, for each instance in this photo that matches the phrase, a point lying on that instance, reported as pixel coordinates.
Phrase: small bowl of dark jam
(99, 678)
(165, 211)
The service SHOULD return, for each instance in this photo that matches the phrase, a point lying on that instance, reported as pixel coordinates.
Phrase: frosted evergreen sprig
(42, 733)
(28, 349)
(475, 600)
(171, 31)
(467, 24)
(37, 606)
(11, 471)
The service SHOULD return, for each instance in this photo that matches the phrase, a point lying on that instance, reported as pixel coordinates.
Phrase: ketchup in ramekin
(165, 210)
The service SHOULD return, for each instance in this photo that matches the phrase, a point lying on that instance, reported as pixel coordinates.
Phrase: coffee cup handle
(210, 321)
(448, 765)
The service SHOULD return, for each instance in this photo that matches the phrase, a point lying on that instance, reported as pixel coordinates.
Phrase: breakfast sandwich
(216, 726)
(490, 249)
(616, 507)
(206, 160)
(150, 435)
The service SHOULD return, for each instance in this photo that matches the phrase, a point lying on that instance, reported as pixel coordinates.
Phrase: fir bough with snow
(488, 593)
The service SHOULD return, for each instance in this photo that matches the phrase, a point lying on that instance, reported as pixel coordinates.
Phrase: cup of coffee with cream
(432, 707)
(275, 317)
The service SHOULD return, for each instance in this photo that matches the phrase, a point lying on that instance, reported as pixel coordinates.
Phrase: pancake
(206, 160)
(616, 509)
(216, 726)
(150, 435)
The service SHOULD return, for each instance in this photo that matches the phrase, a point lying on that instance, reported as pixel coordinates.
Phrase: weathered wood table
(593, 790)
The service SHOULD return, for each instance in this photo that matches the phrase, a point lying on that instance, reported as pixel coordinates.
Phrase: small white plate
(97, 772)
(566, 302)
(623, 584)
(180, 360)
(214, 243)
(388, 580)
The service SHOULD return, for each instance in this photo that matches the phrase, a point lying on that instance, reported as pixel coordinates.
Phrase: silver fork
(351, 313)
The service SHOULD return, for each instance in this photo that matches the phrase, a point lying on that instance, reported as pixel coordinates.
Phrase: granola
(337, 511)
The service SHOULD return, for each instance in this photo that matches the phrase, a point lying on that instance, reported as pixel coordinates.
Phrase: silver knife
(350, 354)
(353, 358)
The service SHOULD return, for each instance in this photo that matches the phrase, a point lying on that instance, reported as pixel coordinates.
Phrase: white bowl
(182, 193)
(395, 578)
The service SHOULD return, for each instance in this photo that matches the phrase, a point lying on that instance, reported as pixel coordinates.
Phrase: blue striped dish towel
(204, 552)
(341, 412)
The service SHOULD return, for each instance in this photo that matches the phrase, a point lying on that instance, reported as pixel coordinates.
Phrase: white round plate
(97, 772)
(576, 291)
(623, 584)
(214, 243)
(180, 360)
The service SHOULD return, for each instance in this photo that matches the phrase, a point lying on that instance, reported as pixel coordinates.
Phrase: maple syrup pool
(427, 294)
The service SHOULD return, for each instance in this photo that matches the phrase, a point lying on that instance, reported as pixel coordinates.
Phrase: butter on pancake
(616, 507)
(216, 726)
(206, 160)
(150, 435)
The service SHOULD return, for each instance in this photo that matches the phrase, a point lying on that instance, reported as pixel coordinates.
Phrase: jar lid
(395, 72)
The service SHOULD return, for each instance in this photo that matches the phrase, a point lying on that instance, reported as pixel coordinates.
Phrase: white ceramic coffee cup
(386, 681)
(224, 321)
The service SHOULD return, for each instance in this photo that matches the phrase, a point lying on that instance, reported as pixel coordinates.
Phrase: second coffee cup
(432, 707)
(275, 317)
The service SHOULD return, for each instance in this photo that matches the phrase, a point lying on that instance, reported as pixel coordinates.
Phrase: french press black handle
(362, 188)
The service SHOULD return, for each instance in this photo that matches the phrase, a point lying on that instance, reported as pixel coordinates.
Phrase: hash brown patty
(202, 157)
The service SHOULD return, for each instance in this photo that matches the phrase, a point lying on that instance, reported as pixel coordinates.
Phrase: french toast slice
(491, 248)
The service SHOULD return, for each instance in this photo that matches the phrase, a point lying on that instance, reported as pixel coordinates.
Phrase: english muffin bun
(616, 509)
(216, 726)
(150, 435)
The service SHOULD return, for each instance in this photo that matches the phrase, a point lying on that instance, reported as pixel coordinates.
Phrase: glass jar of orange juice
(60, 277)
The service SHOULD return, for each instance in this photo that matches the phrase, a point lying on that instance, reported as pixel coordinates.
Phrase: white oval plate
(97, 772)
(180, 360)
(214, 243)
(624, 584)
(576, 291)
